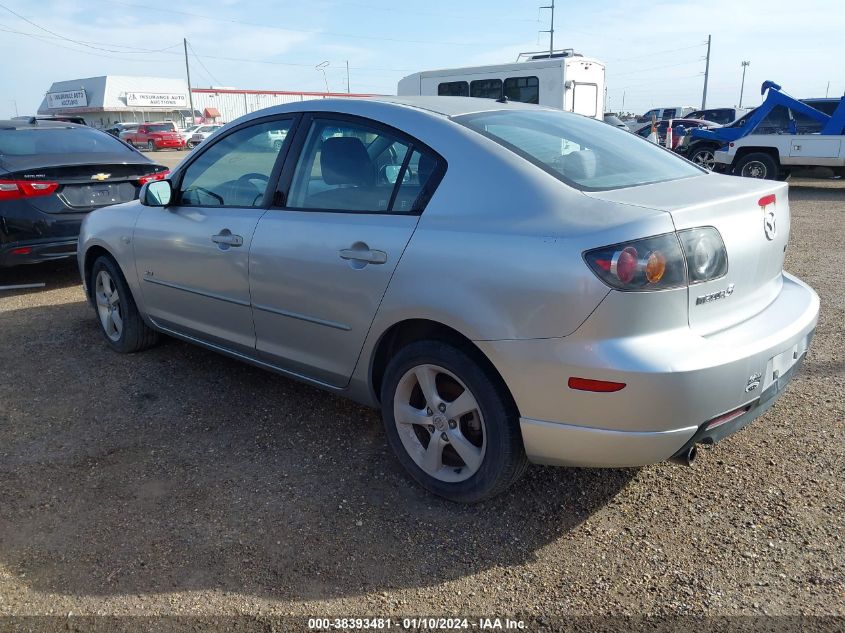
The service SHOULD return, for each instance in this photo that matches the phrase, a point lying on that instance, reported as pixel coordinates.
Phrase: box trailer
(565, 80)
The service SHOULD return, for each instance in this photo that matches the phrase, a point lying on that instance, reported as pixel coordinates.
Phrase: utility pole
(706, 75)
(188, 72)
(826, 90)
(742, 86)
(623, 101)
(551, 30)
(348, 90)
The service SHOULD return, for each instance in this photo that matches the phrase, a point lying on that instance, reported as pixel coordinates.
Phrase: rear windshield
(58, 140)
(160, 128)
(582, 152)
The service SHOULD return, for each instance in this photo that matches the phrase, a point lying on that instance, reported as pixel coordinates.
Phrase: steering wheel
(248, 178)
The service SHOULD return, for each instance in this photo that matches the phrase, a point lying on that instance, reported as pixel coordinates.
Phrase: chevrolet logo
(100, 177)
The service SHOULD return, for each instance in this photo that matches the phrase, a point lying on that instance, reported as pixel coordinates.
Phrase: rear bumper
(19, 253)
(677, 382)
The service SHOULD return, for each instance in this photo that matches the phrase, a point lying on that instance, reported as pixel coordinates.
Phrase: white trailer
(566, 80)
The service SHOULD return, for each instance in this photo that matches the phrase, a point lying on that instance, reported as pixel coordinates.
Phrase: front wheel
(704, 157)
(757, 165)
(120, 321)
(451, 423)
(151, 146)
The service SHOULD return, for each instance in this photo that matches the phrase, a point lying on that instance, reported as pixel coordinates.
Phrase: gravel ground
(180, 482)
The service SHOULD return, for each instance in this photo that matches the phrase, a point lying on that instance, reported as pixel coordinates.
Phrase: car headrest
(344, 161)
(425, 168)
(580, 165)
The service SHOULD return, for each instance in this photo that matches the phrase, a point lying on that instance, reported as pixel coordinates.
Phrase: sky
(654, 51)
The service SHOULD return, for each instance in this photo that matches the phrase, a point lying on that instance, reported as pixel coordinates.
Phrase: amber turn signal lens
(655, 267)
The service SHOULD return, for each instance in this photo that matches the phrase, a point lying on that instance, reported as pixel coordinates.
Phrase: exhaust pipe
(685, 456)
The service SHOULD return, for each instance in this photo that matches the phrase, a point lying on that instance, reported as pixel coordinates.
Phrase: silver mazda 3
(508, 283)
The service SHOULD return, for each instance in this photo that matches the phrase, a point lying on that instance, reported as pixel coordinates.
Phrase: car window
(347, 166)
(524, 89)
(234, 171)
(453, 89)
(486, 88)
(582, 152)
(57, 140)
(775, 122)
(160, 128)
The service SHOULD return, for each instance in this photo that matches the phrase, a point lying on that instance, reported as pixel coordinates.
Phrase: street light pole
(742, 87)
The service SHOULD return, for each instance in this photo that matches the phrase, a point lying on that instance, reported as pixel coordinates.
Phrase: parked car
(722, 116)
(680, 127)
(506, 282)
(51, 175)
(203, 132)
(116, 128)
(154, 136)
(665, 113)
(64, 118)
(187, 133)
(615, 121)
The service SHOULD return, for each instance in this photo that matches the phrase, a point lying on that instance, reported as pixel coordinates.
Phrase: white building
(109, 99)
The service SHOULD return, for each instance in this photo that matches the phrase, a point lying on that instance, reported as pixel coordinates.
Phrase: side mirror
(157, 193)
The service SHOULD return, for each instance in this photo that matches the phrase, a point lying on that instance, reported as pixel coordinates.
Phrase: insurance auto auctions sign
(68, 99)
(156, 99)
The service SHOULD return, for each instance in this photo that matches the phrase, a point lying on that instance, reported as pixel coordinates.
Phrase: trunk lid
(755, 254)
(86, 186)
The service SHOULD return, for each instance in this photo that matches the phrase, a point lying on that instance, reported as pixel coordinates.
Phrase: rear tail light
(161, 175)
(667, 261)
(17, 189)
(654, 263)
(705, 251)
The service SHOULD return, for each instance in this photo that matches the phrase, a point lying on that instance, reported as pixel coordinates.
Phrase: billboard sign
(67, 99)
(156, 100)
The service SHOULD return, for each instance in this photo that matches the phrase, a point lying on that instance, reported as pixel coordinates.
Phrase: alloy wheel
(108, 306)
(705, 158)
(440, 423)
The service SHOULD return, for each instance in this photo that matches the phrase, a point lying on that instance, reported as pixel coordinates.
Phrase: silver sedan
(508, 283)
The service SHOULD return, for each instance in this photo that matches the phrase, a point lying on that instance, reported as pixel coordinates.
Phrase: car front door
(192, 257)
(320, 264)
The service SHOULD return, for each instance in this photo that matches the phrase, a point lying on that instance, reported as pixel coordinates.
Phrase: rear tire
(151, 146)
(436, 392)
(118, 316)
(757, 165)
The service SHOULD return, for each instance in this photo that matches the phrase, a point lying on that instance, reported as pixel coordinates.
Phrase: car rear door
(320, 263)
(192, 257)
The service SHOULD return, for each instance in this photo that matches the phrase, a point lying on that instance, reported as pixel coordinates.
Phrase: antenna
(551, 29)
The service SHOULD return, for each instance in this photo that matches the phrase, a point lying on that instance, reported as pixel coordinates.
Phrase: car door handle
(227, 238)
(368, 256)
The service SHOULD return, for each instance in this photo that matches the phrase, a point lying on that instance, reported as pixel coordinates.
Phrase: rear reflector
(727, 417)
(23, 250)
(600, 386)
(767, 200)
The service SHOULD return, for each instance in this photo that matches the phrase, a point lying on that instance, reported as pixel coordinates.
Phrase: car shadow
(57, 274)
(178, 469)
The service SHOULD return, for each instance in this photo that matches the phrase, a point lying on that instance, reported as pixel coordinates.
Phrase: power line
(170, 10)
(207, 71)
(642, 70)
(68, 39)
(46, 40)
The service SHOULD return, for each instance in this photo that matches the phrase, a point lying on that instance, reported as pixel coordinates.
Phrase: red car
(154, 136)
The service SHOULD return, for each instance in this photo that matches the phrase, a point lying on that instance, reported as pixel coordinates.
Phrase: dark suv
(51, 175)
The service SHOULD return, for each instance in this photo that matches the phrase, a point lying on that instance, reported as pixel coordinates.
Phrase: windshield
(582, 152)
(58, 140)
(163, 127)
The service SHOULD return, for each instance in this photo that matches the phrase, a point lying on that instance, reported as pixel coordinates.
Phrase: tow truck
(781, 134)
